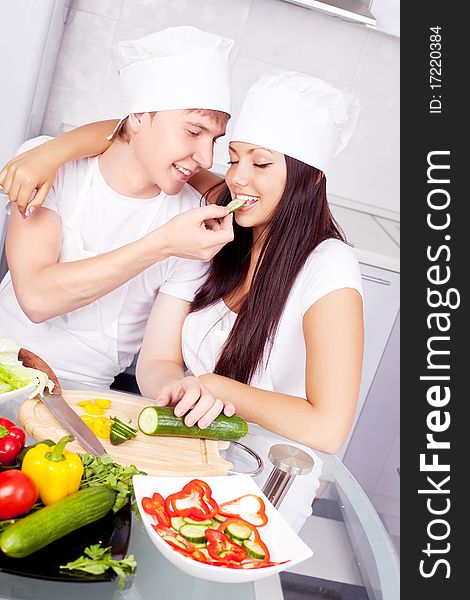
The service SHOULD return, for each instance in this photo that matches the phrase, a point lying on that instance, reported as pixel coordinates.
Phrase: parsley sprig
(97, 560)
(102, 470)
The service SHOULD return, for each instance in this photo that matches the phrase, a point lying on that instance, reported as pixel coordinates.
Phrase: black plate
(113, 530)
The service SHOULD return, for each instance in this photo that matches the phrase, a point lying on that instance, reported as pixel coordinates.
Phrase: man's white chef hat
(176, 68)
(298, 115)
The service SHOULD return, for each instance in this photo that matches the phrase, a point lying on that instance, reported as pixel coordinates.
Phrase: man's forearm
(63, 287)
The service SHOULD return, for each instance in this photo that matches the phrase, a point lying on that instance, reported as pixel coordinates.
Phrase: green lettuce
(14, 375)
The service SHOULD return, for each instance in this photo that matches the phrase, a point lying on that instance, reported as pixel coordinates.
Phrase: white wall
(29, 43)
(25, 65)
(271, 36)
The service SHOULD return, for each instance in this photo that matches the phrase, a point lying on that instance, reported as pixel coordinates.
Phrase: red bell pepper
(256, 564)
(12, 439)
(155, 506)
(254, 535)
(194, 501)
(222, 549)
(249, 507)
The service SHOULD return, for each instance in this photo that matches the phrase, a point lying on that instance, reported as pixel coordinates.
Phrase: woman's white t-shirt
(331, 266)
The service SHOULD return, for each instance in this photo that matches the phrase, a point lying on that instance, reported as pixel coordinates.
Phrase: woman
(277, 327)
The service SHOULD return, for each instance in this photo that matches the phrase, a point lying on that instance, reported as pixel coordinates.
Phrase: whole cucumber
(154, 420)
(50, 523)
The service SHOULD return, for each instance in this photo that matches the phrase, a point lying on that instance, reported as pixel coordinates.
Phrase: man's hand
(189, 394)
(198, 233)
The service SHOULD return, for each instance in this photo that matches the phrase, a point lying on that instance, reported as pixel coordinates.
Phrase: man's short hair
(219, 117)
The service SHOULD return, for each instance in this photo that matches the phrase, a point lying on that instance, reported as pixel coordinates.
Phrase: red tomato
(17, 493)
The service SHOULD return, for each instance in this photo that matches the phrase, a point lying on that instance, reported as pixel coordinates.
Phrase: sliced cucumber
(254, 549)
(206, 522)
(201, 546)
(194, 533)
(175, 541)
(238, 531)
(177, 523)
(116, 437)
(121, 432)
(234, 205)
(220, 518)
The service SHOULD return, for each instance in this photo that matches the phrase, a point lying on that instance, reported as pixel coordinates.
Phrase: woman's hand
(27, 178)
(189, 394)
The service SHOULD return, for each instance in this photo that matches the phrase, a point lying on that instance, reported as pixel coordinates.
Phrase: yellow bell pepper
(56, 472)
(103, 402)
(88, 419)
(93, 409)
(102, 427)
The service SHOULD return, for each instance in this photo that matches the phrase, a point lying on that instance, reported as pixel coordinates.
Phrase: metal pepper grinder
(288, 461)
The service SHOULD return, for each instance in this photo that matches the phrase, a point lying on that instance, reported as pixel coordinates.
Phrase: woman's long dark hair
(301, 220)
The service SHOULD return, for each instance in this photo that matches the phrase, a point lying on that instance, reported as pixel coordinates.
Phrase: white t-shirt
(90, 345)
(331, 266)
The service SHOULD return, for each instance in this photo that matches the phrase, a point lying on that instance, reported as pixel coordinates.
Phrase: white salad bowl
(281, 540)
(20, 394)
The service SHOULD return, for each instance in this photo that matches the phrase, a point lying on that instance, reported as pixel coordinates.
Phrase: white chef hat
(298, 115)
(176, 68)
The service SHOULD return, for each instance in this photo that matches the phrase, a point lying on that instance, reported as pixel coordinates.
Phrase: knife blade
(72, 423)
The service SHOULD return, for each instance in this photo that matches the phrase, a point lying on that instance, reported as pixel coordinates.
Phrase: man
(86, 267)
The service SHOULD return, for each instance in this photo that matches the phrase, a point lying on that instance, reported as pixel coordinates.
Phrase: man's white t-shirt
(88, 345)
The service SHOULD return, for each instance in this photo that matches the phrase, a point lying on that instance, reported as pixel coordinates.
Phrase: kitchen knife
(59, 407)
(72, 423)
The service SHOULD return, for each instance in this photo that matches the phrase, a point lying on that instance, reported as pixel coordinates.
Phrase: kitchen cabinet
(373, 452)
(381, 305)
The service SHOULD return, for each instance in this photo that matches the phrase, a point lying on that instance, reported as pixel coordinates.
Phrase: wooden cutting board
(156, 455)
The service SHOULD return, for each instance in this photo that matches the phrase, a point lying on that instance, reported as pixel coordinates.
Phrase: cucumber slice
(194, 533)
(206, 522)
(117, 423)
(174, 541)
(116, 437)
(254, 549)
(220, 518)
(177, 523)
(238, 531)
(201, 546)
(121, 432)
(234, 205)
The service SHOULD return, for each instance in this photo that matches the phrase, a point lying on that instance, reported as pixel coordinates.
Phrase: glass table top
(365, 546)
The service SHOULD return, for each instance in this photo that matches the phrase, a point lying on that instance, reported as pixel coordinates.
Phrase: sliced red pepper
(194, 501)
(156, 506)
(249, 507)
(254, 535)
(253, 563)
(180, 544)
(222, 548)
(200, 557)
(175, 540)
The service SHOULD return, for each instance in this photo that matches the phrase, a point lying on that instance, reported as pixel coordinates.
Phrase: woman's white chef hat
(298, 115)
(176, 68)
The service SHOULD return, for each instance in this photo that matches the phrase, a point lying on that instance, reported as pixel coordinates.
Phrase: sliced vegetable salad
(13, 375)
(223, 535)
